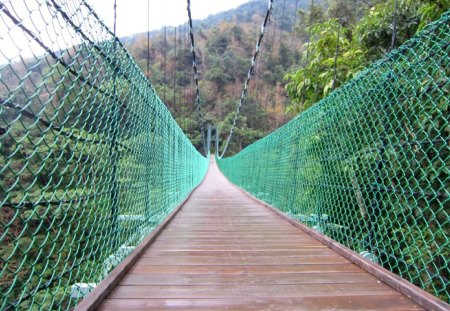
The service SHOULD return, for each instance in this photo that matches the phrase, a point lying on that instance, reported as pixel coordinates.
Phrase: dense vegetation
(225, 44)
(298, 64)
(365, 36)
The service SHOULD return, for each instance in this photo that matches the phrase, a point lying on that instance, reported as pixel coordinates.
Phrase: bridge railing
(91, 159)
(369, 166)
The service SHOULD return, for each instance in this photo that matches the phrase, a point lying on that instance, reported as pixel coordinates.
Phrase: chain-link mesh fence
(369, 165)
(91, 159)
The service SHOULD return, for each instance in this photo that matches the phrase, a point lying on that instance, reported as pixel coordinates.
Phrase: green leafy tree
(365, 36)
(314, 81)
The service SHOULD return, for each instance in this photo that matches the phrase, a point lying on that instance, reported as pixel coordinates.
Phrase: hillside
(225, 43)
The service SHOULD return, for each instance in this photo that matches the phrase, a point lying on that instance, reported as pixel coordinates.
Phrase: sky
(132, 15)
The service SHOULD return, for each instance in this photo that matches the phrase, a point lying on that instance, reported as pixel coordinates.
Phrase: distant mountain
(225, 43)
(244, 13)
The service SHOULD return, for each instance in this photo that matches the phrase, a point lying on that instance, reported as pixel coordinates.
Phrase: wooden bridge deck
(225, 251)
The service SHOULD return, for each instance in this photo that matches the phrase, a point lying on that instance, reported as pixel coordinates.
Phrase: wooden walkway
(225, 251)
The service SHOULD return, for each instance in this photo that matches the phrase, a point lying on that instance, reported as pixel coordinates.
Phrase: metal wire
(197, 89)
(165, 66)
(249, 76)
(293, 25)
(394, 26)
(369, 165)
(308, 43)
(174, 72)
(91, 159)
(148, 39)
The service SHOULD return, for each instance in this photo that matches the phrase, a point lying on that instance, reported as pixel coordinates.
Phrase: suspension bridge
(107, 205)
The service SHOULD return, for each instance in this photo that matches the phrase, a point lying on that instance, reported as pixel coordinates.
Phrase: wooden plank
(237, 253)
(273, 269)
(240, 261)
(231, 232)
(216, 216)
(248, 279)
(233, 240)
(219, 235)
(347, 303)
(243, 291)
(233, 247)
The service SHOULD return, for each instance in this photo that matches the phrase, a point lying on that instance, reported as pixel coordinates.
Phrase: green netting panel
(91, 159)
(369, 165)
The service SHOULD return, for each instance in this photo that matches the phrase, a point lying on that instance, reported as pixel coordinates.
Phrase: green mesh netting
(91, 159)
(369, 165)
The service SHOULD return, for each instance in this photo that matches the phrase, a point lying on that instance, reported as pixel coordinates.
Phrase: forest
(307, 53)
(296, 67)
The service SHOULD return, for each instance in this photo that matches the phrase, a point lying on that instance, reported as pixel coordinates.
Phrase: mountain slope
(225, 43)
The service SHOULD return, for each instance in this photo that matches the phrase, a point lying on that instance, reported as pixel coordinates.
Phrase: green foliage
(368, 164)
(218, 43)
(365, 36)
(375, 30)
(315, 81)
(224, 46)
(431, 10)
(315, 14)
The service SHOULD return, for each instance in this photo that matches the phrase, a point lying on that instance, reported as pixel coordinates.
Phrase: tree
(365, 36)
(311, 83)
(218, 43)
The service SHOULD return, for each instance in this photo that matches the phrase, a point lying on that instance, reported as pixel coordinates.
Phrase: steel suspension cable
(394, 26)
(174, 72)
(195, 69)
(181, 71)
(292, 48)
(249, 76)
(293, 25)
(336, 55)
(281, 22)
(165, 63)
(275, 21)
(271, 22)
(186, 88)
(115, 18)
(257, 97)
(280, 39)
(303, 97)
(148, 39)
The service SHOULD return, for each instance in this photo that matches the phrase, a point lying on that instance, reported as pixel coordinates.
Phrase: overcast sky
(132, 15)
